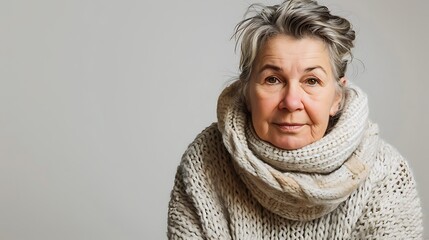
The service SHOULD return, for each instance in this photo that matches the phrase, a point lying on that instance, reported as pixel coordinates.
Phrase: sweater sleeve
(393, 210)
(183, 220)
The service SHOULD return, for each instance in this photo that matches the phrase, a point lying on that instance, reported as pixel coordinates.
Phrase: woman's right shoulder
(206, 160)
(209, 135)
(208, 145)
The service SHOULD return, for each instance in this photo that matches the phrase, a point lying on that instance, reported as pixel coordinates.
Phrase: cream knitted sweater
(348, 185)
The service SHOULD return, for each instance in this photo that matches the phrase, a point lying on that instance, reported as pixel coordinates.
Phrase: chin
(289, 146)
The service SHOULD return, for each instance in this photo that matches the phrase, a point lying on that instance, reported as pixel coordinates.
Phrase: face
(292, 91)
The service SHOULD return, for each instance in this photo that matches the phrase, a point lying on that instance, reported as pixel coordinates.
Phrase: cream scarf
(306, 183)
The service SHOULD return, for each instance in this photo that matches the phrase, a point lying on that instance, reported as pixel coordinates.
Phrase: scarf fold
(306, 183)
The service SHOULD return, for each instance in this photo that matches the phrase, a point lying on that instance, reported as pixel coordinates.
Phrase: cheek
(319, 109)
(262, 105)
(260, 117)
(257, 109)
(262, 108)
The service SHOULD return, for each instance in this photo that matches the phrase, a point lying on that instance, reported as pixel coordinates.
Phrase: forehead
(289, 51)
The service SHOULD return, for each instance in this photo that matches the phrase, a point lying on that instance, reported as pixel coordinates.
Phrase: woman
(293, 155)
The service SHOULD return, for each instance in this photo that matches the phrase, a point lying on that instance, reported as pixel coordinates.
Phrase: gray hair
(298, 19)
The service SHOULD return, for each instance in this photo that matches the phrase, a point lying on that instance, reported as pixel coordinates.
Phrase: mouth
(289, 127)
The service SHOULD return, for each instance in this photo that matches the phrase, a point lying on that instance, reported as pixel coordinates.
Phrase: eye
(312, 81)
(272, 80)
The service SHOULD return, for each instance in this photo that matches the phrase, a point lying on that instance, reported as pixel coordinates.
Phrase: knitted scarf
(305, 183)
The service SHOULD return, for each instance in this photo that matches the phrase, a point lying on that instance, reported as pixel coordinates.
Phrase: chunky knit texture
(348, 185)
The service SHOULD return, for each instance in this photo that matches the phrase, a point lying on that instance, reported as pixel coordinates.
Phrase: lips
(289, 127)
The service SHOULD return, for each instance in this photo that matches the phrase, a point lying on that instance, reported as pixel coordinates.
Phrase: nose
(291, 99)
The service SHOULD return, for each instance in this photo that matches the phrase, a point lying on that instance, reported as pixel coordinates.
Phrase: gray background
(99, 99)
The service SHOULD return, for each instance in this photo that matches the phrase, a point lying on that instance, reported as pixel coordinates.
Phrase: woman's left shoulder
(393, 210)
(390, 164)
(388, 154)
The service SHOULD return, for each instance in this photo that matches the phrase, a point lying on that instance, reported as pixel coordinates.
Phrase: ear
(338, 97)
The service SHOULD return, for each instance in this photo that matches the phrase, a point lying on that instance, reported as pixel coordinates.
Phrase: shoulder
(206, 169)
(206, 143)
(209, 135)
(393, 208)
(388, 160)
(205, 153)
(392, 175)
(196, 205)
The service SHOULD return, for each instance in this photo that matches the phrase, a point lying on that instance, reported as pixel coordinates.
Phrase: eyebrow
(272, 67)
(315, 67)
(279, 69)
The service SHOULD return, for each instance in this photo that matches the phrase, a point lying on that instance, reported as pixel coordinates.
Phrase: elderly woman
(293, 154)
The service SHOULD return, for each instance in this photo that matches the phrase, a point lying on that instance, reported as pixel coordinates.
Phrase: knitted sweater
(348, 185)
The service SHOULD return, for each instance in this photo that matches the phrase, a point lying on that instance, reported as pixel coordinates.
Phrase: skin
(292, 91)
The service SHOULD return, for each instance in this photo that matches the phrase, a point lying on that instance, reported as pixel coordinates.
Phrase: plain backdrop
(99, 99)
